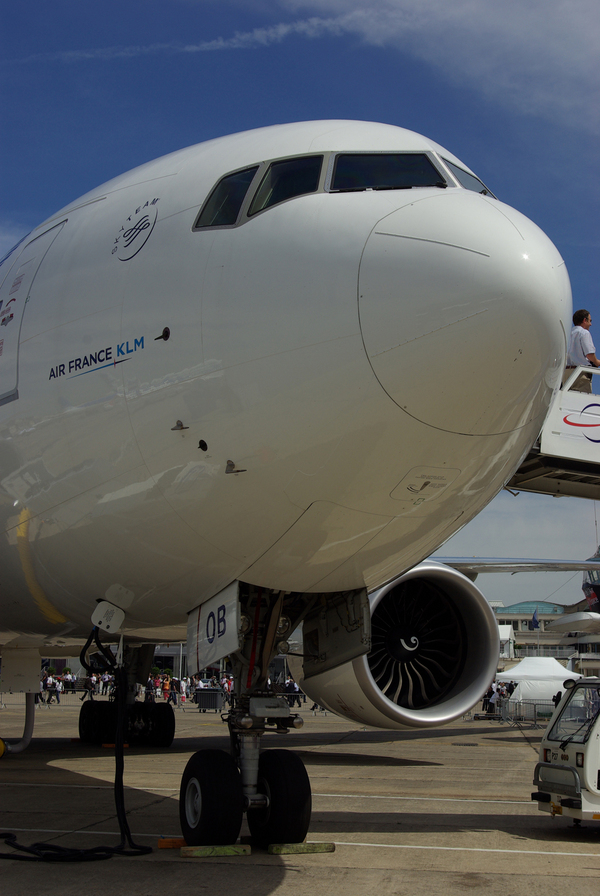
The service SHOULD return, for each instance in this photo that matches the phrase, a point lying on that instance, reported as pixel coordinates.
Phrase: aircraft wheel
(160, 724)
(283, 778)
(97, 722)
(210, 799)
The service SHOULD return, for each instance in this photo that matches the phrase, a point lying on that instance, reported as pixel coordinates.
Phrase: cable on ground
(50, 852)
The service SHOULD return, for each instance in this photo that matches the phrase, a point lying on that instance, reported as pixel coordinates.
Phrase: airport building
(524, 630)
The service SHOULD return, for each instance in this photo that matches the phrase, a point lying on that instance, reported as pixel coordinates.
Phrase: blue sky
(91, 90)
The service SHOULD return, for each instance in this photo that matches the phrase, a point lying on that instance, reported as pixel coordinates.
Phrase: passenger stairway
(565, 460)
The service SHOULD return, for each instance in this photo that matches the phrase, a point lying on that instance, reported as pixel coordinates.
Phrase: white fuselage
(349, 378)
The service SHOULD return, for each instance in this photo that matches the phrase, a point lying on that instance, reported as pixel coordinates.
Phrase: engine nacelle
(434, 651)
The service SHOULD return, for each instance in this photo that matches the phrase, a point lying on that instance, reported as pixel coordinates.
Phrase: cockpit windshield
(285, 180)
(236, 197)
(468, 181)
(578, 715)
(384, 171)
(10, 252)
(224, 203)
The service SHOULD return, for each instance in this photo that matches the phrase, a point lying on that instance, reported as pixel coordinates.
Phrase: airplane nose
(463, 308)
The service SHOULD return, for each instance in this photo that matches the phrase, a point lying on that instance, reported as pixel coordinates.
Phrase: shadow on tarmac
(76, 810)
(432, 823)
(357, 759)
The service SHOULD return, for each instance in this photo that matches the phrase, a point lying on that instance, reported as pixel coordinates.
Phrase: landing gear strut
(271, 787)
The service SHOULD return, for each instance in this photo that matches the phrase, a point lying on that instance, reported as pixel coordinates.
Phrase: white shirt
(581, 344)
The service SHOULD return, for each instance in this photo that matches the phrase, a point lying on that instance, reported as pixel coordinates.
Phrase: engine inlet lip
(481, 660)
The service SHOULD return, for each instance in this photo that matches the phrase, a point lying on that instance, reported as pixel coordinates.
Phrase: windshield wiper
(380, 187)
(589, 722)
(438, 183)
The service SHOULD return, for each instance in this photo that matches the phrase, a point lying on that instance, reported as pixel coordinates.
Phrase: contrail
(241, 40)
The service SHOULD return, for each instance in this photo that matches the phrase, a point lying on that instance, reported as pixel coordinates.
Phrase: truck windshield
(574, 724)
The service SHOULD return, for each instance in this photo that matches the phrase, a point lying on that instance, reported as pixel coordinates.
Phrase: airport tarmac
(410, 813)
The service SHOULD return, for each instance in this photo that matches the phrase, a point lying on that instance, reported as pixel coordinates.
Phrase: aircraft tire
(283, 778)
(158, 724)
(97, 722)
(210, 799)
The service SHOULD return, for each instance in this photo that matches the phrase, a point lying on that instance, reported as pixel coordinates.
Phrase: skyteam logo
(584, 426)
(135, 231)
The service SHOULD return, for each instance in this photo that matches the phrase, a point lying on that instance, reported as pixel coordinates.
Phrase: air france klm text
(104, 357)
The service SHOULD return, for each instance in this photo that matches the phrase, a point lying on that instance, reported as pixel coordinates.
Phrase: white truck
(568, 772)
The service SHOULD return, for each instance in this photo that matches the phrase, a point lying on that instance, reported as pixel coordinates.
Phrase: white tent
(538, 678)
(507, 641)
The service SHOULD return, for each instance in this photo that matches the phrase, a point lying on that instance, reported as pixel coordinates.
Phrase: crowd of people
(159, 686)
(496, 691)
(179, 690)
(53, 685)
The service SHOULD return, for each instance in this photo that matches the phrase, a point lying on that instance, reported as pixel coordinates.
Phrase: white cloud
(241, 40)
(262, 37)
(540, 56)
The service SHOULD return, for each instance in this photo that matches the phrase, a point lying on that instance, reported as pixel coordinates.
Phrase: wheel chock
(296, 849)
(171, 842)
(208, 852)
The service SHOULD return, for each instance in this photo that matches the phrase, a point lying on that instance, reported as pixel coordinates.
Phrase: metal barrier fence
(536, 713)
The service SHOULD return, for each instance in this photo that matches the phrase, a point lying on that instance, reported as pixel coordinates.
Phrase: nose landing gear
(272, 787)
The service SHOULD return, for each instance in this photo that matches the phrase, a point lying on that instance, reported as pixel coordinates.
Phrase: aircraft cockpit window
(286, 179)
(224, 203)
(468, 181)
(14, 248)
(384, 171)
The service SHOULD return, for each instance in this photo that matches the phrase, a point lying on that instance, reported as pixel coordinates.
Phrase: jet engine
(434, 651)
